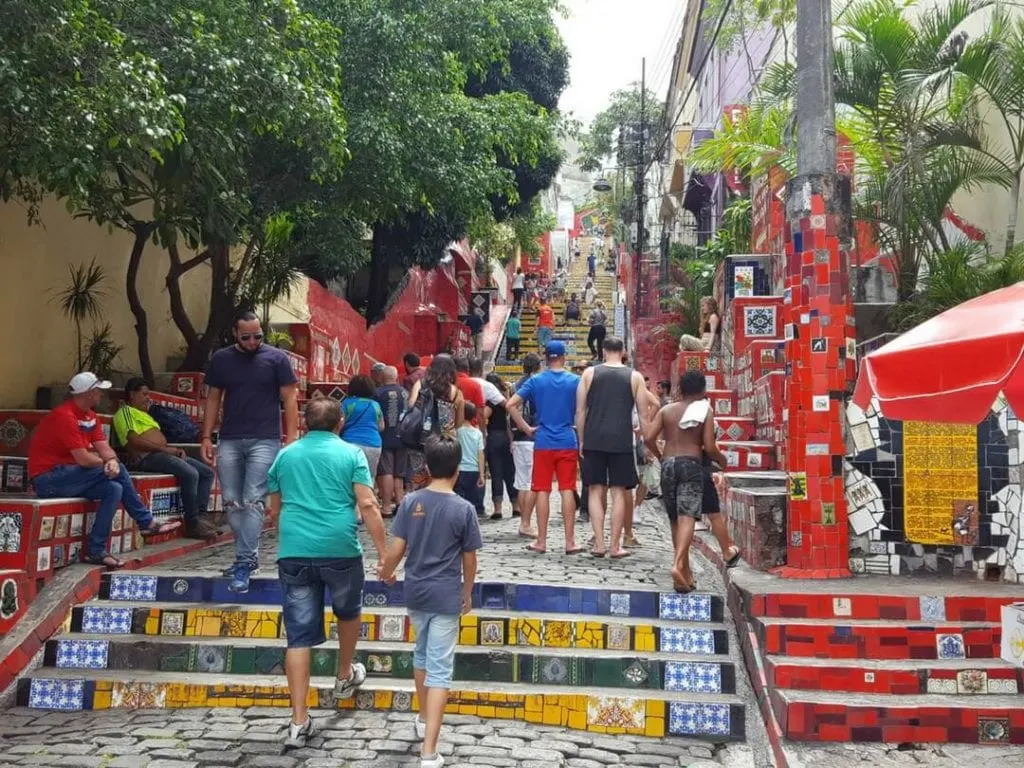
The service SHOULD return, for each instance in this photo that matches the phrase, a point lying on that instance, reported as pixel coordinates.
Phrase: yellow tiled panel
(245, 701)
(229, 702)
(101, 700)
(534, 703)
(208, 623)
(534, 717)
(529, 632)
(596, 728)
(578, 720)
(152, 623)
(346, 704)
(485, 710)
(382, 699)
(470, 695)
(466, 709)
(655, 726)
(467, 636)
(644, 639)
(614, 729)
(469, 620)
(655, 708)
(520, 713)
(552, 714)
(504, 713)
(557, 634)
(104, 685)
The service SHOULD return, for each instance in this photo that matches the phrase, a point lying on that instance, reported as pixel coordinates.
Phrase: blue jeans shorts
(303, 581)
(436, 637)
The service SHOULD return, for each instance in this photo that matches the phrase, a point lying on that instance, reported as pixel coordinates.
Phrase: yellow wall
(39, 344)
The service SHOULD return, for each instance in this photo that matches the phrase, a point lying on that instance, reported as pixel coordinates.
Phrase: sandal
(575, 550)
(595, 553)
(106, 559)
(620, 555)
(732, 561)
(496, 516)
(155, 528)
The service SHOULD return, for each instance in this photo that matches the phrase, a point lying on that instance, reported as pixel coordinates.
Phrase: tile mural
(941, 498)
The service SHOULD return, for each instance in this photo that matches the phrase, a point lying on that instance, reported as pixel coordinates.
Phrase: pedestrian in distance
(513, 332)
(391, 470)
(319, 486)
(522, 453)
(498, 449)
(438, 534)
(595, 338)
(473, 467)
(545, 324)
(250, 380)
(439, 402)
(363, 419)
(518, 289)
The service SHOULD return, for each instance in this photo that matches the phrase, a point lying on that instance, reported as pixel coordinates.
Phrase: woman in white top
(589, 294)
(518, 289)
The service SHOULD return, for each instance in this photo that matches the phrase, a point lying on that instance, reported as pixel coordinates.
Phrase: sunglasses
(247, 336)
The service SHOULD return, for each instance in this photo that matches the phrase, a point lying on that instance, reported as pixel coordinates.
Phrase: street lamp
(602, 185)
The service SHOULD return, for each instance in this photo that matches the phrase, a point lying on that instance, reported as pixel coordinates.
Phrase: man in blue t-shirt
(552, 395)
(316, 484)
(251, 380)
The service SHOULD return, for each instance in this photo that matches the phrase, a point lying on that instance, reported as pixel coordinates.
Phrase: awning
(951, 368)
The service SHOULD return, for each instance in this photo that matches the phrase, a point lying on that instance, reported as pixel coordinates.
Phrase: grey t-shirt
(437, 528)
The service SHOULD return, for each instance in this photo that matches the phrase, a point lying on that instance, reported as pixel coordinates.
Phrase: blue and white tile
(132, 586)
(64, 695)
(82, 654)
(693, 677)
(686, 640)
(105, 620)
(619, 603)
(689, 719)
(950, 646)
(684, 607)
(933, 608)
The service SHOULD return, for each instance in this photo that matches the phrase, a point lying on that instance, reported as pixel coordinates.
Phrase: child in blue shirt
(472, 468)
(441, 536)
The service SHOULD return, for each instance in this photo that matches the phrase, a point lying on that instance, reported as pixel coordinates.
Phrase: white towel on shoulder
(695, 414)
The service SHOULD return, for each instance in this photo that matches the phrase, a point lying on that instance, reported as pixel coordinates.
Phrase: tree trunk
(377, 291)
(1011, 224)
(142, 233)
(221, 310)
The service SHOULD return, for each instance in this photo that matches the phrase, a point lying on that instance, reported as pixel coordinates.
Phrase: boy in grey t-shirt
(439, 532)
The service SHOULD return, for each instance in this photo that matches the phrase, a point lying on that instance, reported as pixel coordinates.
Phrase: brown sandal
(106, 559)
(155, 528)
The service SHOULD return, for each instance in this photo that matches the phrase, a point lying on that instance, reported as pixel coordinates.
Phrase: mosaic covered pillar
(820, 367)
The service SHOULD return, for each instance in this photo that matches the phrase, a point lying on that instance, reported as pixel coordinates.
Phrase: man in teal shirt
(316, 485)
(512, 330)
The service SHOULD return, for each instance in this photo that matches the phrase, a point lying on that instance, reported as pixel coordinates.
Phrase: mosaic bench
(757, 522)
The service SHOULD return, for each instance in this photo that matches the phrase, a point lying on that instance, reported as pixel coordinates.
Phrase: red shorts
(549, 464)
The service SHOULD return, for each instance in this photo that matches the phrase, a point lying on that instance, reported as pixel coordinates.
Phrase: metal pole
(640, 187)
(815, 101)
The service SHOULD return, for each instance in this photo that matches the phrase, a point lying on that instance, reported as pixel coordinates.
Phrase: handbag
(415, 425)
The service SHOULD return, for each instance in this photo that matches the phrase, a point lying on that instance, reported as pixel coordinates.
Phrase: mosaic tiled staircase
(636, 662)
(848, 666)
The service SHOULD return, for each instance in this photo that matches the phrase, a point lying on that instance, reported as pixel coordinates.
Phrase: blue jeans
(243, 466)
(466, 487)
(436, 637)
(543, 336)
(70, 480)
(195, 479)
(303, 585)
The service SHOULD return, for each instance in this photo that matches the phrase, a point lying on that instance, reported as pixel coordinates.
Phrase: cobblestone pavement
(201, 738)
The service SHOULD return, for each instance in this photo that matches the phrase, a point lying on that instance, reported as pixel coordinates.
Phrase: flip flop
(621, 555)
(597, 554)
(575, 550)
(534, 550)
(732, 561)
(155, 528)
(107, 560)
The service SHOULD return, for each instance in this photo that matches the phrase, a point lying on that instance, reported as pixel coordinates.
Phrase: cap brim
(103, 385)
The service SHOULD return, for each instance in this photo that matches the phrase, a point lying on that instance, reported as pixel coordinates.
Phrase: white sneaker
(421, 728)
(432, 762)
(298, 735)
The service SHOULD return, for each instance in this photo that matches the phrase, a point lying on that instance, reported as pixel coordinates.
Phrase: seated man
(70, 456)
(146, 450)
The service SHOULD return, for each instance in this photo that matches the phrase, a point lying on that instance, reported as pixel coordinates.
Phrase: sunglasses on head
(247, 336)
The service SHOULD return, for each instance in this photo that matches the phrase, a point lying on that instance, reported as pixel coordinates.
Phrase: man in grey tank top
(604, 422)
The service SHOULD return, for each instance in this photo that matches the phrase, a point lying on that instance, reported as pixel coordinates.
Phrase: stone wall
(935, 498)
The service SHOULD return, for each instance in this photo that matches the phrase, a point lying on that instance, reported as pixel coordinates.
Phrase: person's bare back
(695, 442)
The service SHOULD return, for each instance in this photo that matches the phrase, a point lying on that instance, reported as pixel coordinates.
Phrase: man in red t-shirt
(471, 390)
(545, 323)
(70, 456)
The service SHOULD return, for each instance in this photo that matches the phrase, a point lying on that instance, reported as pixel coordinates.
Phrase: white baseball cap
(86, 381)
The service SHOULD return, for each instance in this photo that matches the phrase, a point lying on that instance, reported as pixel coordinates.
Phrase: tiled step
(866, 639)
(599, 710)
(484, 627)
(771, 478)
(843, 605)
(818, 716)
(910, 677)
(556, 666)
(155, 586)
(734, 428)
(723, 402)
(748, 455)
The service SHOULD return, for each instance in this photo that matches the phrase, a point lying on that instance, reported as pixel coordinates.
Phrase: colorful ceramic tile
(10, 532)
(135, 695)
(492, 632)
(693, 677)
(131, 586)
(684, 607)
(993, 730)
(635, 674)
(118, 517)
(106, 620)
(619, 603)
(46, 528)
(63, 695)
(82, 654)
(972, 681)
(743, 281)
(74, 552)
(211, 658)
(686, 640)
(618, 637)
(759, 322)
(58, 556)
(616, 712)
(402, 701)
(127, 542)
(1002, 685)
(841, 606)
(63, 527)
(172, 623)
(43, 559)
(941, 685)
(933, 607)
(77, 523)
(690, 719)
(950, 646)
(392, 628)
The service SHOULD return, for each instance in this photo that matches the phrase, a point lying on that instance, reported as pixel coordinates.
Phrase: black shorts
(683, 487)
(616, 470)
(710, 505)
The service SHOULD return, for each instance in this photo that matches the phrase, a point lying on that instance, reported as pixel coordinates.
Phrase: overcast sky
(607, 40)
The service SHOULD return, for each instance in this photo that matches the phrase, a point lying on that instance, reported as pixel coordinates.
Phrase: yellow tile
(467, 636)
(578, 720)
(104, 685)
(557, 634)
(347, 704)
(101, 700)
(152, 626)
(520, 713)
(534, 717)
(245, 701)
(382, 699)
(504, 713)
(655, 726)
(534, 703)
(485, 710)
(469, 620)
(228, 702)
(655, 708)
(596, 728)
(552, 714)
(529, 632)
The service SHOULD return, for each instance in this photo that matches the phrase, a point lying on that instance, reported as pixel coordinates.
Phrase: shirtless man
(684, 481)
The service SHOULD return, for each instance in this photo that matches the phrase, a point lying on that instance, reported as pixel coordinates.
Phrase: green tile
(269, 661)
(472, 666)
(324, 662)
(243, 661)
(175, 660)
(401, 665)
(606, 673)
(501, 667)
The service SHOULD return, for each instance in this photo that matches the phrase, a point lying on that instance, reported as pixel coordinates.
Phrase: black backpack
(175, 424)
(411, 430)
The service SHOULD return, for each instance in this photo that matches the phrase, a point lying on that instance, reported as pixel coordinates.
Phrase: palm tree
(81, 299)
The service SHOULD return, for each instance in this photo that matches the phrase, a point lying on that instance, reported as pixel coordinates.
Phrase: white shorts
(522, 457)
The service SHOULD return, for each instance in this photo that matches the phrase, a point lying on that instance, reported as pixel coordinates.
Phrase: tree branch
(178, 311)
